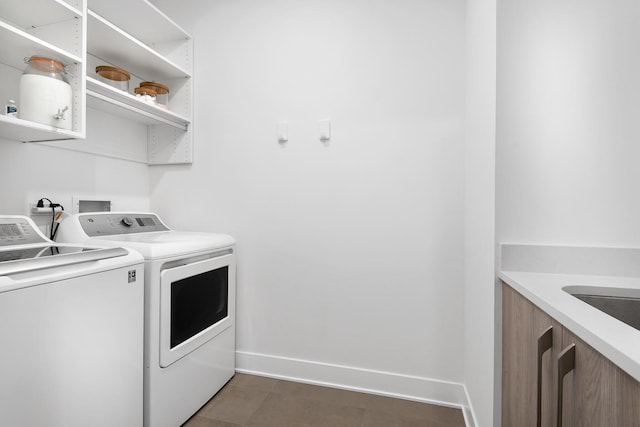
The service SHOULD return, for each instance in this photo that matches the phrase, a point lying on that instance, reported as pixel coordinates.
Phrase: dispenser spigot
(60, 114)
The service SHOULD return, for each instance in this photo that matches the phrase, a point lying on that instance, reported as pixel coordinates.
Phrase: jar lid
(145, 91)
(158, 87)
(42, 58)
(45, 64)
(113, 73)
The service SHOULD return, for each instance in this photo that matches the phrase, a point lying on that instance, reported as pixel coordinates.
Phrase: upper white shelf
(106, 98)
(35, 13)
(16, 45)
(126, 14)
(115, 46)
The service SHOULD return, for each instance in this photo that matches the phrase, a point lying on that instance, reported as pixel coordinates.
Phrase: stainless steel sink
(621, 303)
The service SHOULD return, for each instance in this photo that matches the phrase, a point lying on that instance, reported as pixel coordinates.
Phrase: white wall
(350, 252)
(568, 129)
(34, 170)
(481, 368)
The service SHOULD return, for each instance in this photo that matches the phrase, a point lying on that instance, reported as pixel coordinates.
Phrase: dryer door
(196, 304)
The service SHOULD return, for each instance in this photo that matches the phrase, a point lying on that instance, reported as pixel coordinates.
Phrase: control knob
(126, 221)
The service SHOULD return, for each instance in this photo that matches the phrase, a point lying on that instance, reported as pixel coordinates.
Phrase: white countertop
(614, 339)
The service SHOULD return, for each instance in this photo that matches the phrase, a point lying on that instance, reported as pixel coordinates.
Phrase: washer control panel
(15, 230)
(122, 223)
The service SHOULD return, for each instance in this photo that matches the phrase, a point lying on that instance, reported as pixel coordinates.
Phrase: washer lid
(22, 259)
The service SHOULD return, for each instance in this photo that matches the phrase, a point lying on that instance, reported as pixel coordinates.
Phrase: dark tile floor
(249, 400)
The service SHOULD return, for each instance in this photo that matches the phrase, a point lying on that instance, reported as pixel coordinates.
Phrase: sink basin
(621, 303)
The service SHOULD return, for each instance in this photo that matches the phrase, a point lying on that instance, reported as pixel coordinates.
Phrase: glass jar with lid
(146, 94)
(114, 76)
(162, 93)
(45, 94)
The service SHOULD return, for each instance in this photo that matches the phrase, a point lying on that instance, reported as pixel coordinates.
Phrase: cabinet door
(598, 393)
(523, 324)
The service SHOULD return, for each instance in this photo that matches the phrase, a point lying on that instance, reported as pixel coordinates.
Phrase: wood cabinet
(523, 326)
(596, 393)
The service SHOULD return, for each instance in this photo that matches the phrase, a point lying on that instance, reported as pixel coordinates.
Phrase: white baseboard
(467, 410)
(356, 379)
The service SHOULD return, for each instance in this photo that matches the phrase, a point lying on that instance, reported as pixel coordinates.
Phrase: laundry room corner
(350, 249)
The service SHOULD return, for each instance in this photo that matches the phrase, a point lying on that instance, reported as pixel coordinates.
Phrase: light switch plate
(324, 126)
(283, 131)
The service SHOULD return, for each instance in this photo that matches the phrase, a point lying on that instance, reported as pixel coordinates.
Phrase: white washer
(71, 330)
(190, 291)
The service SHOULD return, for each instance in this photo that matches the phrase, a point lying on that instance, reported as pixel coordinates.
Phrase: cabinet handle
(566, 363)
(545, 342)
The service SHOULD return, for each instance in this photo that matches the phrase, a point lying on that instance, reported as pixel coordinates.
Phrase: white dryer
(71, 330)
(190, 291)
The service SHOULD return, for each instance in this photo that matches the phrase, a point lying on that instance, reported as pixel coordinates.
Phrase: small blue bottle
(11, 109)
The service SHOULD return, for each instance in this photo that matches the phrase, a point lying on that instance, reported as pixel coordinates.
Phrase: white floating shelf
(113, 45)
(23, 130)
(35, 13)
(16, 45)
(106, 98)
(158, 27)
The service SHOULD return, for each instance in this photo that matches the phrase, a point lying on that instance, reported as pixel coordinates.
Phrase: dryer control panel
(105, 224)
